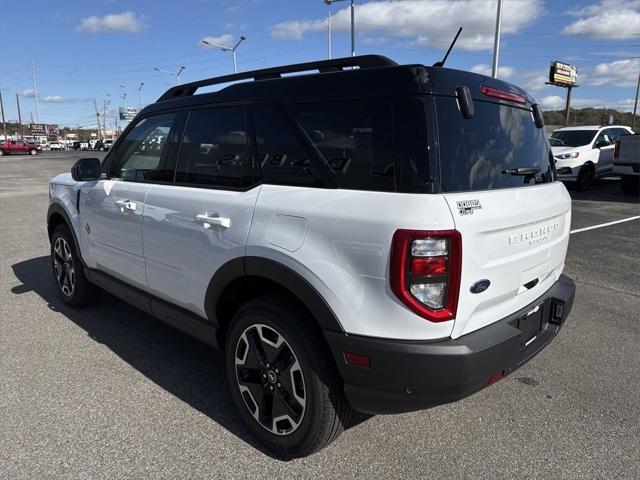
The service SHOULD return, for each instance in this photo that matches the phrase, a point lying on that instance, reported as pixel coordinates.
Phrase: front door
(192, 228)
(605, 144)
(111, 209)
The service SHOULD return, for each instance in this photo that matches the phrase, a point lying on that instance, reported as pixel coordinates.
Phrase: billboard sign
(563, 74)
(38, 129)
(128, 113)
(44, 129)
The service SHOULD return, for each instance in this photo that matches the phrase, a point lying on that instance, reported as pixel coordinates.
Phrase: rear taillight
(425, 271)
(616, 150)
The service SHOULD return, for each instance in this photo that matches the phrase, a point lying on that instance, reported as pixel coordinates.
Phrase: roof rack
(362, 61)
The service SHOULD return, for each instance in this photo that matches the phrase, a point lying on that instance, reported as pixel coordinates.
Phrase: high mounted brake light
(502, 94)
(425, 271)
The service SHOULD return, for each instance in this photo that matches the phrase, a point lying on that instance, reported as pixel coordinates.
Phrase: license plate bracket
(530, 325)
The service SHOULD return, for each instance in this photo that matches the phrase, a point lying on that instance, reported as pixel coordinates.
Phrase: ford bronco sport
(370, 236)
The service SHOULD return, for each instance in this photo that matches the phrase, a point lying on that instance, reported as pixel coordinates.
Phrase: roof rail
(362, 61)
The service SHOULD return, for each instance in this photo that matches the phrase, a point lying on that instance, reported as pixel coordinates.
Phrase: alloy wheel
(270, 379)
(64, 266)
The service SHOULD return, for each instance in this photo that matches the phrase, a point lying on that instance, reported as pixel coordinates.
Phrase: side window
(215, 149)
(603, 139)
(355, 139)
(285, 158)
(142, 154)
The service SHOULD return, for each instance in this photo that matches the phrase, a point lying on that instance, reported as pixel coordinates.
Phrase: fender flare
(56, 208)
(277, 273)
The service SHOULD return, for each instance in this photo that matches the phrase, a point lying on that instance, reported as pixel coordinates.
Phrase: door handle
(126, 206)
(208, 220)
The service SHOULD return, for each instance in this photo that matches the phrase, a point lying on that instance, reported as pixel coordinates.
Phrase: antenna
(446, 55)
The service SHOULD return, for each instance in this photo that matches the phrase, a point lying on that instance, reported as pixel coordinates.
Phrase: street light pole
(329, 35)
(224, 48)
(353, 22)
(176, 74)
(635, 105)
(353, 28)
(140, 93)
(496, 41)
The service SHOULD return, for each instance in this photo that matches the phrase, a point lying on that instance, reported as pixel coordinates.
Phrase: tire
(585, 177)
(33, 152)
(1, 153)
(630, 184)
(300, 372)
(68, 271)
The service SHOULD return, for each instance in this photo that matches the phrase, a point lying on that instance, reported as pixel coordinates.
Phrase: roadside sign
(563, 74)
(127, 113)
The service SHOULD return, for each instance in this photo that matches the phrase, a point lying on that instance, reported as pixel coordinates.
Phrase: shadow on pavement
(185, 367)
(603, 190)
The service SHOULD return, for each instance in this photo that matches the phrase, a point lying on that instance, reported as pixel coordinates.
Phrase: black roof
(375, 76)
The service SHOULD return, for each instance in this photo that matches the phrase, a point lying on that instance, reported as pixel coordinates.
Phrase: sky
(103, 49)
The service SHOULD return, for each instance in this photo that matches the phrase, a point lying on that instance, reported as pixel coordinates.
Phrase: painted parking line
(637, 217)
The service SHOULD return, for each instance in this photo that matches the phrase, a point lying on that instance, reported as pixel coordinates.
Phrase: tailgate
(515, 238)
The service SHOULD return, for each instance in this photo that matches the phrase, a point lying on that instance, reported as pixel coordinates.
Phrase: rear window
(479, 153)
(354, 137)
(572, 138)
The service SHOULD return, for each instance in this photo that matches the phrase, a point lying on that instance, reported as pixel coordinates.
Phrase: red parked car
(14, 147)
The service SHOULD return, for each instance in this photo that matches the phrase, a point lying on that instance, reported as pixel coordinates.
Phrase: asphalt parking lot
(109, 392)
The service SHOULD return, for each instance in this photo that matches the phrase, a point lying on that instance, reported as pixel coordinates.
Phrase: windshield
(483, 153)
(572, 138)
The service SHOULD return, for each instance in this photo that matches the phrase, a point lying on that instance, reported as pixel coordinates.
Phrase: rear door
(514, 228)
(111, 209)
(195, 226)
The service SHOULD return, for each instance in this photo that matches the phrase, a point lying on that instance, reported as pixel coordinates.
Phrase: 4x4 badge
(466, 207)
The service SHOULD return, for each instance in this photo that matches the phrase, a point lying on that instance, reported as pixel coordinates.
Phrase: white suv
(384, 239)
(585, 153)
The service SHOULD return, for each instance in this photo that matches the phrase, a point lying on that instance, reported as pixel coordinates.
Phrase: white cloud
(430, 23)
(128, 22)
(622, 73)
(57, 99)
(556, 102)
(224, 40)
(30, 93)
(552, 102)
(485, 69)
(616, 19)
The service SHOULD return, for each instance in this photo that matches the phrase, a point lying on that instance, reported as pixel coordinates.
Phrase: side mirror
(86, 169)
(601, 143)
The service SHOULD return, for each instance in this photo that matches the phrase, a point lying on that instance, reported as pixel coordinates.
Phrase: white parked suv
(381, 239)
(585, 153)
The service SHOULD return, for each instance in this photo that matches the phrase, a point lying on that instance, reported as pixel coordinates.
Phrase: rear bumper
(413, 375)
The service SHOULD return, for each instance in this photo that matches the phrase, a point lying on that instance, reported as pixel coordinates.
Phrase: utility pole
(329, 35)
(104, 117)
(635, 105)
(95, 105)
(19, 117)
(4, 124)
(35, 90)
(496, 41)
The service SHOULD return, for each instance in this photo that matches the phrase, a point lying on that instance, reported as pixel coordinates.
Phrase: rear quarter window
(475, 153)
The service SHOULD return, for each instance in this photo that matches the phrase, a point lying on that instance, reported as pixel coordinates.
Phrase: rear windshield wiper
(522, 171)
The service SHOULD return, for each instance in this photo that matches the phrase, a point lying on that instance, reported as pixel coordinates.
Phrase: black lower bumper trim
(413, 375)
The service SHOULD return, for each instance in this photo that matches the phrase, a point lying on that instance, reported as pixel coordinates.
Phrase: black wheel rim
(586, 177)
(270, 379)
(64, 267)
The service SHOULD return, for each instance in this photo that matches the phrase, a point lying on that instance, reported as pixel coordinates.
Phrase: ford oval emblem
(480, 286)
